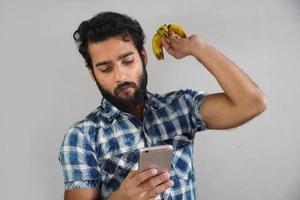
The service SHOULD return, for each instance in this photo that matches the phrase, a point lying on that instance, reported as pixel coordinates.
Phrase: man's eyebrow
(102, 63)
(124, 55)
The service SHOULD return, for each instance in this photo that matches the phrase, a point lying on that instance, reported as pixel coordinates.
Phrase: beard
(126, 103)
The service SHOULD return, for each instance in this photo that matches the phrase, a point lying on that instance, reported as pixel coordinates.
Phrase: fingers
(167, 46)
(170, 47)
(165, 43)
(159, 189)
(143, 176)
(153, 182)
(145, 185)
(130, 186)
(173, 36)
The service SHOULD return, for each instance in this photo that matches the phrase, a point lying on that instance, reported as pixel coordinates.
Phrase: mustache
(124, 84)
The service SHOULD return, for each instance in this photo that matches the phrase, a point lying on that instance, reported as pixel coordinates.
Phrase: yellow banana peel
(163, 31)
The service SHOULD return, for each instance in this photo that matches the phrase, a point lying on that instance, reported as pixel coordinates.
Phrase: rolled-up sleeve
(78, 160)
(194, 100)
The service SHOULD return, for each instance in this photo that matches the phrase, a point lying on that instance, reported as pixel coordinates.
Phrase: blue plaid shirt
(102, 149)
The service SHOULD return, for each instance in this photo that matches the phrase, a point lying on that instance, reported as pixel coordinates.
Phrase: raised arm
(241, 100)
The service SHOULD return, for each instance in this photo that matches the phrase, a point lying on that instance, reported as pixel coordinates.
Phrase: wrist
(199, 49)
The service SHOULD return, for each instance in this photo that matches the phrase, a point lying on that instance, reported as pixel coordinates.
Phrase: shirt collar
(111, 111)
(151, 101)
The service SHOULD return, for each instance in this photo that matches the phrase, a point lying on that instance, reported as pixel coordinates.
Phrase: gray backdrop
(45, 88)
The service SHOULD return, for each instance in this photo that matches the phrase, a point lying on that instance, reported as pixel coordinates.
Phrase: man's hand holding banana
(173, 38)
(181, 47)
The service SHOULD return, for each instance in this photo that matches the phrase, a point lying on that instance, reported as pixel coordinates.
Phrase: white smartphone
(158, 157)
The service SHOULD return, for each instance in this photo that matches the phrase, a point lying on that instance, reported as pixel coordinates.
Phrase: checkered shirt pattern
(102, 149)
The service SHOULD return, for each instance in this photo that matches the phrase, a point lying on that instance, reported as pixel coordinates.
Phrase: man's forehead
(116, 40)
(111, 48)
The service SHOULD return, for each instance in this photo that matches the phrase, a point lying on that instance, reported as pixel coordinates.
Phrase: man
(99, 154)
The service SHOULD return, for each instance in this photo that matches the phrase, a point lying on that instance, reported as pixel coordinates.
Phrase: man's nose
(120, 74)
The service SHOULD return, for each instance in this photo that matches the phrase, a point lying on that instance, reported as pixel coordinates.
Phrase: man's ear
(144, 54)
(91, 73)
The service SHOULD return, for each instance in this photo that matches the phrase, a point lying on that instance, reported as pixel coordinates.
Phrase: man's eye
(107, 69)
(127, 61)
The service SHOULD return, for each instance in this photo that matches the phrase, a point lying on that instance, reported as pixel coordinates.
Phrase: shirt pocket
(117, 166)
(182, 156)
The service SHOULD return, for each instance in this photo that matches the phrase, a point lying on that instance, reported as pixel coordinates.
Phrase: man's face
(119, 71)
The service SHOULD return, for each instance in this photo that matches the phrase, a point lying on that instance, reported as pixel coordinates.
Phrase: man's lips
(124, 88)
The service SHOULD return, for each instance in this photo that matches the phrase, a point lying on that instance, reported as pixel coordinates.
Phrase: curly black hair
(105, 25)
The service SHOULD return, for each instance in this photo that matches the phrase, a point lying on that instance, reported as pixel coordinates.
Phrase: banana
(163, 31)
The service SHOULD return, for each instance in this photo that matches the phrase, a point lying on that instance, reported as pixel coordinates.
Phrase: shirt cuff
(197, 117)
(81, 184)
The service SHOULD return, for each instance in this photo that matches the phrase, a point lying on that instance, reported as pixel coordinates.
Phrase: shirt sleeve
(78, 160)
(194, 100)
